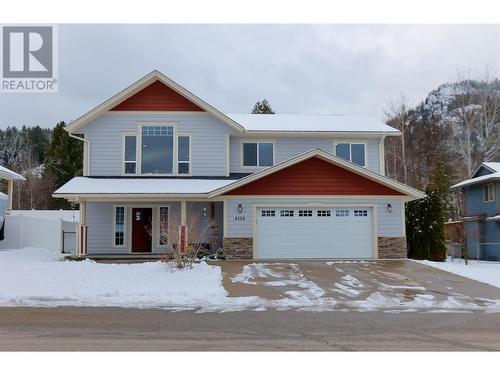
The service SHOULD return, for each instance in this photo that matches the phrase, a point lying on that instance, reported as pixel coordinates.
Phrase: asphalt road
(110, 329)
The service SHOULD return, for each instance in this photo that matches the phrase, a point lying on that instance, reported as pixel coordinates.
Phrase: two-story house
(482, 211)
(160, 164)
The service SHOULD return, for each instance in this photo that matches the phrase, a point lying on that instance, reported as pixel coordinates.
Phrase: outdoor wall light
(240, 208)
(389, 207)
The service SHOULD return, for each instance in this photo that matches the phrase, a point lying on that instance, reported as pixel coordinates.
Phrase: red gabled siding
(313, 177)
(157, 97)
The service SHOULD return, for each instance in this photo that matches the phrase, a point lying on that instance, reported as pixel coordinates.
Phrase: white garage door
(305, 232)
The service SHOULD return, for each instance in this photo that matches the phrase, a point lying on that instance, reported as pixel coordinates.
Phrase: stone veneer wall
(238, 248)
(392, 248)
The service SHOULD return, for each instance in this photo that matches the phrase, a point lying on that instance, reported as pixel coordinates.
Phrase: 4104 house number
(239, 218)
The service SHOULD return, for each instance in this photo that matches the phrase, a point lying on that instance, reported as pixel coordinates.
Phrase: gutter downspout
(86, 153)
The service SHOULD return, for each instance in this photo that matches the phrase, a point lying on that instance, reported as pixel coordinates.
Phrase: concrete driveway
(393, 286)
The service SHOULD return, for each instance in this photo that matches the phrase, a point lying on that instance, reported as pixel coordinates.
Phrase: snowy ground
(485, 272)
(35, 277)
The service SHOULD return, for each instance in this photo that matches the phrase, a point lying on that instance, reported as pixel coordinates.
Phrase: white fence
(28, 231)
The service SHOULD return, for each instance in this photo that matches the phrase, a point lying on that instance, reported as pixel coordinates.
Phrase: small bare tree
(197, 229)
(398, 115)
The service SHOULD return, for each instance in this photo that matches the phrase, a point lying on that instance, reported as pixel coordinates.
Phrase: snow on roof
(493, 165)
(186, 186)
(493, 218)
(475, 180)
(311, 123)
(9, 175)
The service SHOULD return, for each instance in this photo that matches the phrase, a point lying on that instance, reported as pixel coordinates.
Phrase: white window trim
(129, 134)
(139, 145)
(273, 142)
(125, 227)
(485, 188)
(335, 143)
(189, 135)
(157, 224)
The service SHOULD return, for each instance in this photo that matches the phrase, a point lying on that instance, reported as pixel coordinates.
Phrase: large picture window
(119, 226)
(258, 154)
(353, 152)
(157, 149)
(130, 154)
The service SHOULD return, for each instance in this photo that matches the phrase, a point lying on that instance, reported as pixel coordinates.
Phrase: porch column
(82, 230)
(10, 190)
(183, 227)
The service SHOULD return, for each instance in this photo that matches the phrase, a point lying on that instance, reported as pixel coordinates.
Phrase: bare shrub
(197, 228)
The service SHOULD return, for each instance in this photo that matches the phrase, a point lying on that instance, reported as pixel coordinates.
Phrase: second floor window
(489, 193)
(130, 154)
(258, 154)
(183, 154)
(157, 149)
(353, 152)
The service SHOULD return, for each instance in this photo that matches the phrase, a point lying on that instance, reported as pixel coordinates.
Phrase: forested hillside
(458, 124)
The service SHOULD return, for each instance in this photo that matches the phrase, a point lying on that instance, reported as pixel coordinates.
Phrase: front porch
(136, 230)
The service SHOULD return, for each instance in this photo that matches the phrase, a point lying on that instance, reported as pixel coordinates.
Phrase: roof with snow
(82, 186)
(494, 167)
(7, 174)
(311, 123)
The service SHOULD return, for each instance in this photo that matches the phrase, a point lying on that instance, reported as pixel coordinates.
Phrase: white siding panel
(388, 224)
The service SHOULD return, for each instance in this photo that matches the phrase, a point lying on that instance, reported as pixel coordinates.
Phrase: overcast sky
(318, 69)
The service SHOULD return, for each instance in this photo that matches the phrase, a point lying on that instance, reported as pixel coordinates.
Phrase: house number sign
(239, 218)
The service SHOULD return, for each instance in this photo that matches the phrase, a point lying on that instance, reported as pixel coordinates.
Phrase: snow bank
(36, 277)
(485, 272)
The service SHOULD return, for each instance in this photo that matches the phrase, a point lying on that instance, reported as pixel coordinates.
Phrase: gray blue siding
(287, 147)
(475, 204)
(208, 141)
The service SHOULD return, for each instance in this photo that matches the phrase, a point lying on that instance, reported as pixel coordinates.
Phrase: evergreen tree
(64, 160)
(262, 107)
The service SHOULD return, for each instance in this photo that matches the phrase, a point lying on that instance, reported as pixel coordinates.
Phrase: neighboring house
(482, 211)
(161, 164)
(6, 199)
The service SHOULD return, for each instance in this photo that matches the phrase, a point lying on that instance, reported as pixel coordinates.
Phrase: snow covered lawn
(40, 278)
(485, 272)
(36, 277)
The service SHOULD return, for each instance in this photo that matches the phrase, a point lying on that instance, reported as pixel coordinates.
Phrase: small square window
(360, 213)
(324, 213)
(288, 213)
(341, 213)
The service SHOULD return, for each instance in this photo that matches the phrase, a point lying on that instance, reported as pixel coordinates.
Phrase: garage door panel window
(360, 213)
(287, 213)
(305, 213)
(353, 152)
(266, 213)
(340, 213)
(258, 154)
(324, 213)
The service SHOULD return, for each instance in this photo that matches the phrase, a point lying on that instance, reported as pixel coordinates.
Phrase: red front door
(141, 229)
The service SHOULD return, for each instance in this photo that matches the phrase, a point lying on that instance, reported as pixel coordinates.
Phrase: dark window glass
(157, 149)
(119, 226)
(250, 154)
(342, 151)
(183, 148)
(130, 168)
(183, 168)
(265, 154)
(163, 230)
(130, 148)
(358, 154)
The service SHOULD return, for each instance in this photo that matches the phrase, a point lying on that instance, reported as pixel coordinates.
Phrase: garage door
(305, 232)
